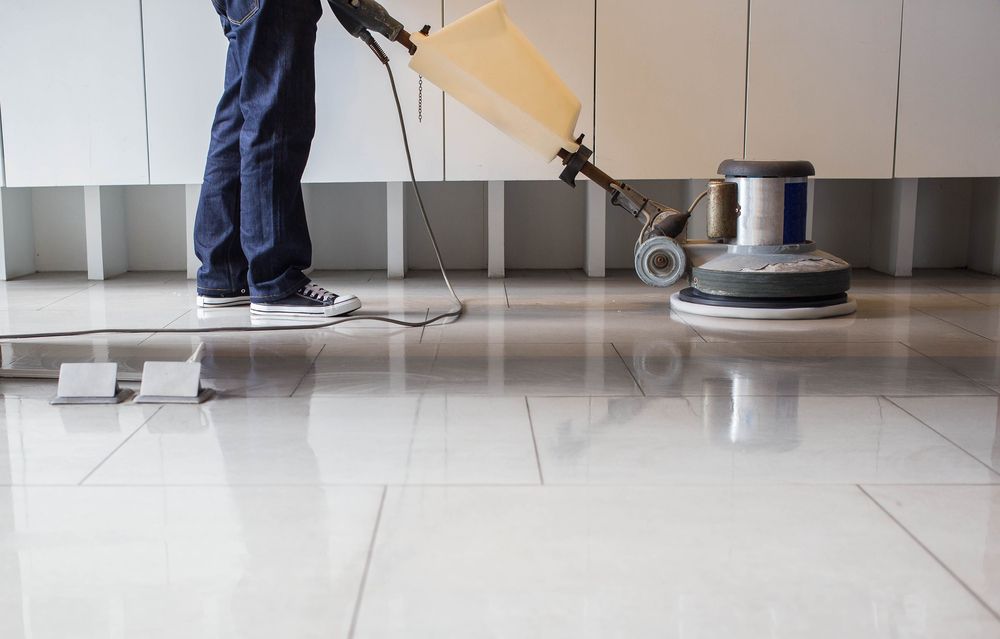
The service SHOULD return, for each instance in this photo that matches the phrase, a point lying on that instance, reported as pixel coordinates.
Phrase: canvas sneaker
(224, 301)
(309, 301)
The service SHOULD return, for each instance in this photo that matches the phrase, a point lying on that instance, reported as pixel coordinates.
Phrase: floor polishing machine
(756, 261)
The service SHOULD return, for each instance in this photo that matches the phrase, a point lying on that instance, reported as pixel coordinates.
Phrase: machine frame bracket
(575, 163)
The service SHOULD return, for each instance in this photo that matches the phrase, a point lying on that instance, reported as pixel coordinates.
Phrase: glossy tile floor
(571, 460)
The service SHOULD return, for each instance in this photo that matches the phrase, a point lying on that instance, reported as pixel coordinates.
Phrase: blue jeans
(250, 232)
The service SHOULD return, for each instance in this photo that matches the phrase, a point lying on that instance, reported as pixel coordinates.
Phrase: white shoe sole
(222, 302)
(341, 307)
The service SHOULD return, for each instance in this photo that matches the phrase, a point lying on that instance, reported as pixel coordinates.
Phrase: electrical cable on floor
(454, 314)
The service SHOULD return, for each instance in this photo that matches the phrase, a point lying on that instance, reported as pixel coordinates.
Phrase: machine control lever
(361, 16)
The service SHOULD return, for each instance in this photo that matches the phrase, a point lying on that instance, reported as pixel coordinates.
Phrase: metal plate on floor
(89, 383)
(172, 383)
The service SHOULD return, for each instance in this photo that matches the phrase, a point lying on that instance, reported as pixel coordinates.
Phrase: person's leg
(276, 46)
(222, 277)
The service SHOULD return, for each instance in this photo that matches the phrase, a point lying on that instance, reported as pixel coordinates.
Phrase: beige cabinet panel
(949, 89)
(822, 84)
(563, 31)
(71, 87)
(357, 134)
(184, 79)
(671, 86)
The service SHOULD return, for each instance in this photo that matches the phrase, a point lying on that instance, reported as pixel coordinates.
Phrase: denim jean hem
(283, 287)
(223, 292)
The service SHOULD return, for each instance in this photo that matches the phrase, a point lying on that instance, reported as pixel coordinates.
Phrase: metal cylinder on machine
(773, 199)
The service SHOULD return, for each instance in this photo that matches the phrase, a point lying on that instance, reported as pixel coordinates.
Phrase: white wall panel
(156, 228)
(671, 86)
(357, 137)
(949, 91)
(563, 30)
(71, 86)
(3, 169)
(984, 234)
(822, 84)
(60, 229)
(842, 220)
(185, 68)
(458, 213)
(546, 226)
(17, 234)
(348, 225)
(944, 222)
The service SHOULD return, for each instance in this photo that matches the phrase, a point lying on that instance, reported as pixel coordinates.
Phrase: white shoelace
(318, 293)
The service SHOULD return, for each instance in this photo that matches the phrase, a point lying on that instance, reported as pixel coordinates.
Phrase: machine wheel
(660, 262)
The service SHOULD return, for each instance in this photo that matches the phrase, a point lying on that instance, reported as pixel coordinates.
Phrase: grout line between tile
(756, 485)
(312, 365)
(948, 368)
(534, 441)
(629, 370)
(66, 297)
(368, 564)
(423, 329)
(689, 325)
(119, 446)
(942, 435)
(941, 319)
(964, 297)
(927, 550)
(483, 393)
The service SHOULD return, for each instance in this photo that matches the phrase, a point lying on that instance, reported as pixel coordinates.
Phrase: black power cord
(454, 314)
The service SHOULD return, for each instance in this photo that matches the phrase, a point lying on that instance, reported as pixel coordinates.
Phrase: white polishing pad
(485, 62)
(839, 310)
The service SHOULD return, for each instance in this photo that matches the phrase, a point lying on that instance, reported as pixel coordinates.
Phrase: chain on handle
(420, 100)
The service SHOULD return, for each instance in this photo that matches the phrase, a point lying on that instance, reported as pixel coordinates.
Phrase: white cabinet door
(822, 84)
(3, 170)
(71, 87)
(357, 136)
(949, 89)
(563, 30)
(185, 68)
(671, 86)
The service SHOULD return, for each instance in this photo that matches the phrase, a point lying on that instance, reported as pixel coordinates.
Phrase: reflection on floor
(571, 460)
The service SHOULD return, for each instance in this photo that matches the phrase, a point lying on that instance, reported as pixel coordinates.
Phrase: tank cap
(767, 169)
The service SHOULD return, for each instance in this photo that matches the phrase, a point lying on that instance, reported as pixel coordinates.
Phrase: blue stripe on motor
(796, 205)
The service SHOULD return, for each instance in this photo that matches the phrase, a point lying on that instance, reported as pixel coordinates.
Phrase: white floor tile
(469, 369)
(878, 320)
(45, 445)
(793, 369)
(982, 321)
(970, 422)
(685, 562)
(39, 291)
(723, 504)
(959, 524)
(741, 440)
(166, 563)
(982, 290)
(978, 360)
(28, 389)
(618, 292)
(559, 324)
(419, 440)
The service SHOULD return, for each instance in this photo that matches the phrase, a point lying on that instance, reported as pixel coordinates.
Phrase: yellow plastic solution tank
(485, 62)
